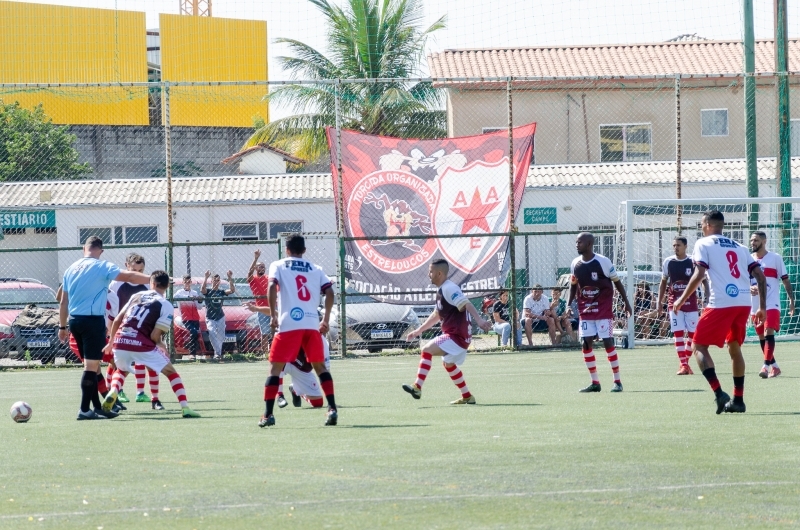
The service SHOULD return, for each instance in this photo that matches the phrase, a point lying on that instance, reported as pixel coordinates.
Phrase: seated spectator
(536, 315)
(502, 320)
(646, 310)
(562, 320)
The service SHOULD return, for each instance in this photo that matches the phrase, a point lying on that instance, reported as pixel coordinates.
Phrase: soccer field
(532, 453)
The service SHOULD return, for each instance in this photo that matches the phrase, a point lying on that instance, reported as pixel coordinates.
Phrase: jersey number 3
(302, 291)
(733, 263)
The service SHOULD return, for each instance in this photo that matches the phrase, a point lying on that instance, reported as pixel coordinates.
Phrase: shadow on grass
(773, 413)
(383, 426)
(486, 405)
(663, 391)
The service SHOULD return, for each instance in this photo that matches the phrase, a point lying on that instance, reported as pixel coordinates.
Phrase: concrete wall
(263, 162)
(138, 152)
(469, 111)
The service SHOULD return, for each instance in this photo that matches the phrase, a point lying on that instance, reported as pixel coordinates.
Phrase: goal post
(645, 232)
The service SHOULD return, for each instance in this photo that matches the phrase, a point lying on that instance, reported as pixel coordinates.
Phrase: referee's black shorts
(90, 335)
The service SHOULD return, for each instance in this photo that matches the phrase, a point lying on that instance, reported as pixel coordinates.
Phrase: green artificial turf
(532, 453)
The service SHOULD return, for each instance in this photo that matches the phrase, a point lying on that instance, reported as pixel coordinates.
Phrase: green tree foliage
(367, 39)
(33, 148)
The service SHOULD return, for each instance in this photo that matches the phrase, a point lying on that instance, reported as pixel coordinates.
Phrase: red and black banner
(395, 187)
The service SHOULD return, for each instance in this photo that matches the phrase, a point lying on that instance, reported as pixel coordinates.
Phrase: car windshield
(354, 297)
(27, 296)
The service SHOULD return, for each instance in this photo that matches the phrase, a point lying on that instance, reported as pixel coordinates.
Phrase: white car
(373, 325)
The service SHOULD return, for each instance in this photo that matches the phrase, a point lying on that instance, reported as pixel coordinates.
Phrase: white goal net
(645, 233)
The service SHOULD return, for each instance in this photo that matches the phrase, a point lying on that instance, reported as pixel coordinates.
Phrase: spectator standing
(259, 283)
(215, 316)
(83, 303)
(536, 315)
(189, 307)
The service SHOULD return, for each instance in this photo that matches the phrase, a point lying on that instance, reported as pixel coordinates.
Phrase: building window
(794, 138)
(120, 235)
(625, 143)
(259, 231)
(276, 229)
(13, 231)
(45, 230)
(604, 244)
(240, 232)
(714, 122)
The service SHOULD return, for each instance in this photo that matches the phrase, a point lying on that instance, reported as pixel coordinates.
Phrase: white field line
(425, 498)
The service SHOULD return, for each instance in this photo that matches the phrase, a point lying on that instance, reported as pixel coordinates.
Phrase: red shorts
(286, 346)
(718, 325)
(773, 321)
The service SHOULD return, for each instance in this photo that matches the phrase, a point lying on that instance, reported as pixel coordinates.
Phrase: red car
(240, 335)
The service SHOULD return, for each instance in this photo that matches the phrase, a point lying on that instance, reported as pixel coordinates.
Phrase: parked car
(373, 325)
(40, 342)
(240, 334)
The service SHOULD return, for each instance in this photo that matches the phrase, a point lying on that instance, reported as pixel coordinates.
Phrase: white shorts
(155, 360)
(454, 354)
(683, 321)
(604, 328)
(303, 383)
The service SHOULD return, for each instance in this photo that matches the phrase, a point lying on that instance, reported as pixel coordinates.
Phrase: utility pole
(749, 47)
(784, 166)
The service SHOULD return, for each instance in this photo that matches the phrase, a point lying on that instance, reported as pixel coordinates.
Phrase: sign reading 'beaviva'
(30, 219)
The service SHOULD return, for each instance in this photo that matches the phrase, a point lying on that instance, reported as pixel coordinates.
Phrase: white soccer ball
(21, 412)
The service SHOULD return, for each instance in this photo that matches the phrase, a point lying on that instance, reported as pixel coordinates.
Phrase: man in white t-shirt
(729, 267)
(775, 272)
(536, 315)
(294, 295)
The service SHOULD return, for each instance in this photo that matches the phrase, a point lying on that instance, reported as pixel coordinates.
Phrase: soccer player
(676, 273)
(83, 301)
(773, 267)
(138, 335)
(454, 310)
(593, 281)
(119, 293)
(299, 284)
(190, 313)
(724, 319)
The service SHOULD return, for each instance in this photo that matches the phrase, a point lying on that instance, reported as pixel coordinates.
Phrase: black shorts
(90, 335)
(536, 325)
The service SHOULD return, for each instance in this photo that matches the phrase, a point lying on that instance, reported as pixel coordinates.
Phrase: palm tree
(367, 39)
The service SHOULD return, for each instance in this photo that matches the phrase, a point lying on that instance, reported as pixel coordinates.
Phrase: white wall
(263, 162)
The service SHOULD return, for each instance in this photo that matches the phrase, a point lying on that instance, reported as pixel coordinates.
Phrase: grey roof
(317, 187)
(240, 188)
(637, 173)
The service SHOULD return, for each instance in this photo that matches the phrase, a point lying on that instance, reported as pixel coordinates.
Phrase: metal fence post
(340, 222)
(678, 152)
(168, 162)
(512, 220)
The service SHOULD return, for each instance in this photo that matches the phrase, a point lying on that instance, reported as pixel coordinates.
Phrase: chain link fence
(191, 197)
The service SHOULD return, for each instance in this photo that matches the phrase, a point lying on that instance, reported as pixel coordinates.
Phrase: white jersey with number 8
(729, 265)
(300, 284)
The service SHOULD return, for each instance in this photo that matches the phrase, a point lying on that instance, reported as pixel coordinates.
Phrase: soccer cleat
(117, 407)
(156, 405)
(141, 397)
(332, 417)
(721, 398)
(281, 401)
(763, 374)
(122, 397)
(109, 401)
(594, 387)
(297, 401)
(108, 414)
(267, 421)
(464, 401)
(684, 370)
(732, 406)
(186, 412)
(89, 415)
(617, 387)
(774, 371)
(414, 390)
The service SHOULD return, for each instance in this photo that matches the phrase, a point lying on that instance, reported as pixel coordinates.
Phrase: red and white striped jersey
(300, 285)
(775, 270)
(729, 265)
